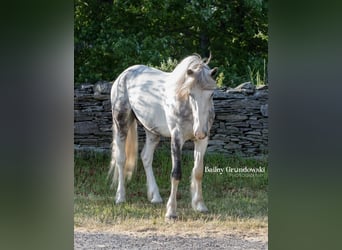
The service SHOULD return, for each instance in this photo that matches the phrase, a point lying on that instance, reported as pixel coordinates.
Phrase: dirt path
(153, 240)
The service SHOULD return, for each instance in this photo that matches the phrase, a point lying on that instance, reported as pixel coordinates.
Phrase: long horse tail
(131, 151)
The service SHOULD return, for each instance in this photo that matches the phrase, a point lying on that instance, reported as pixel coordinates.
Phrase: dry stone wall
(240, 126)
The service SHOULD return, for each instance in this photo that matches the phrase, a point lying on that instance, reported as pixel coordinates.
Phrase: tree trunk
(204, 44)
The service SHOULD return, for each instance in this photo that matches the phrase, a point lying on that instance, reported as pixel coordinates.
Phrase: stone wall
(240, 126)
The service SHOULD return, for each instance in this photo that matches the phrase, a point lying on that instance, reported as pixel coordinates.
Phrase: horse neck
(172, 83)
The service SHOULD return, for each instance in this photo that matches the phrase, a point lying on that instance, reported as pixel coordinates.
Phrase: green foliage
(168, 66)
(220, 79)
(113, 35)
(256, 77)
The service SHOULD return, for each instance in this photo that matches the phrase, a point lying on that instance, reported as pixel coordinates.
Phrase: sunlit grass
(234, 202)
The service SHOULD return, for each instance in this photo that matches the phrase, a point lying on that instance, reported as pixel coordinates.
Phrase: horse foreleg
(176, 148)
(172, 202)
(147, 159)
(196, 176)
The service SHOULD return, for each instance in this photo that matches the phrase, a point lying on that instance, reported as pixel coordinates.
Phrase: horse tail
(131, 150)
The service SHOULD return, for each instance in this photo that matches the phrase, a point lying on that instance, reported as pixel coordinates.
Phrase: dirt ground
(149, 239)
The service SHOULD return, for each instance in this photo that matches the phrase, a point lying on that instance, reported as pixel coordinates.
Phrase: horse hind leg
(122, 162)
(152, 141)
(117, 165)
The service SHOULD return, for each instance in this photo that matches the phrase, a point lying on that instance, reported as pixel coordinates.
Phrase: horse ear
(213, 72)
(189, 71)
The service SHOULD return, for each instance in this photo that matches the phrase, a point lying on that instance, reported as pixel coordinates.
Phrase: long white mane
(202, 76)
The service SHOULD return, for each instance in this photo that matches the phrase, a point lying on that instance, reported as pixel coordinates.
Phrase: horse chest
(181, 117)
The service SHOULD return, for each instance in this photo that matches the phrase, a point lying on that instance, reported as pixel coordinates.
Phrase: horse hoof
(120, 201)
(156, 200)
(171, 217)
(201, 208)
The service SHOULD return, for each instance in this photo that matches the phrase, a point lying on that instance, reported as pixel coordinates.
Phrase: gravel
(101, 240)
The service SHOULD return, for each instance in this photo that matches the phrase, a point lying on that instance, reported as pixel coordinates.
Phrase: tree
(112, 35)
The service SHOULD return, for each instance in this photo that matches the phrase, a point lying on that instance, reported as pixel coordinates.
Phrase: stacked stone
(240, 126)
(92, 117)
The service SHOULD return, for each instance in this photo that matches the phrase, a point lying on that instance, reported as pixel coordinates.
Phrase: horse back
(144, 88)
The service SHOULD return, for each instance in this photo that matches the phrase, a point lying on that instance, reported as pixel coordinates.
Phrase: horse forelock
(202, 75)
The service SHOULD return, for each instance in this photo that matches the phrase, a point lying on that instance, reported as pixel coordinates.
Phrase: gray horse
(177, 105)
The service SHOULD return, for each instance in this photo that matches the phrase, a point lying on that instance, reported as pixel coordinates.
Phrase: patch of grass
(230, 197)
(256, 76)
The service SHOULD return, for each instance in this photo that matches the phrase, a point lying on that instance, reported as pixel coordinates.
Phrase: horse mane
(201, 75)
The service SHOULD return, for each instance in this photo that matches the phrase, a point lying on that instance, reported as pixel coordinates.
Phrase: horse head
(198, 89)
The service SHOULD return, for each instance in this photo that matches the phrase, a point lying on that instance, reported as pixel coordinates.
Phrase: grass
(236, 201)
(256, 77)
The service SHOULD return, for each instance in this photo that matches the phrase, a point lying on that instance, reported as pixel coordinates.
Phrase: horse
(177, 104)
